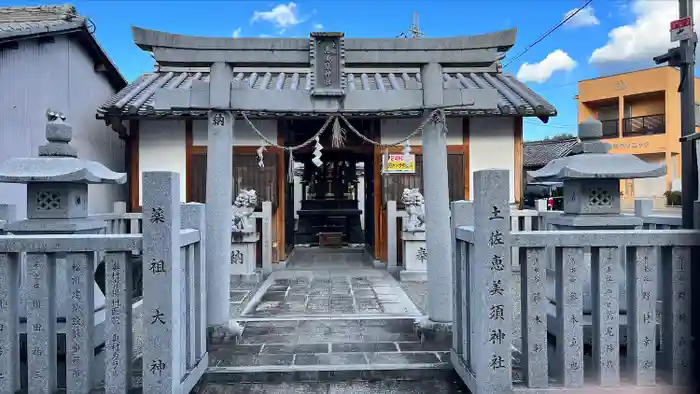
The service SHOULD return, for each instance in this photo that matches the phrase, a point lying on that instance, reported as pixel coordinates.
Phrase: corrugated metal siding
(61, 76)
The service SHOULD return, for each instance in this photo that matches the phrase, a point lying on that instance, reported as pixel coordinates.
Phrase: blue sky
(608, 36)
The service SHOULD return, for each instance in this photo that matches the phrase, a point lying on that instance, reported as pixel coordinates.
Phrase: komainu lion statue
(414, 204)
(243, 208)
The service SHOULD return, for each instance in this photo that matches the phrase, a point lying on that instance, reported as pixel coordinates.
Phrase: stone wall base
(253, 278)
(217, 335)
(434, 332)
(413, 276)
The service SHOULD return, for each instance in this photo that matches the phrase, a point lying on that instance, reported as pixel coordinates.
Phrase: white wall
(60, 76)
(394, 130)
(243, 134)
(162, 147)
(651, 187)
(492, 145)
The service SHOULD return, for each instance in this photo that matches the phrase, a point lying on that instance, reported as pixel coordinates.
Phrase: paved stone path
(302, 293)
(329, 316)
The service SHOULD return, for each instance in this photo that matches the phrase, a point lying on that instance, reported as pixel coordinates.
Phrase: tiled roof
(17, 22)
(539, 153)
(138, 97)
(26, 22)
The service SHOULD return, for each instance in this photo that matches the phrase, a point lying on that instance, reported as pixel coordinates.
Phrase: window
(608, 112)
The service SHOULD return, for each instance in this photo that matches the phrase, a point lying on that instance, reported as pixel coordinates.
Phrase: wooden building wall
(270, 180)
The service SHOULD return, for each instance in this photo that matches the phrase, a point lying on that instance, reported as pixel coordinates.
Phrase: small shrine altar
(329, 203)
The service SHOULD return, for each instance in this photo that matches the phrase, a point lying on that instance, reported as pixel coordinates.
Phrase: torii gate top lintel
(482, 49)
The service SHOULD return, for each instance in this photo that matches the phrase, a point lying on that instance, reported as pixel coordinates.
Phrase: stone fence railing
(174, 355)
(122, 222)
(625, 274)
(524, 220)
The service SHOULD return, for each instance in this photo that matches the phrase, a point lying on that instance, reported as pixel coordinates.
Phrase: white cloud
(542, 71)
(237, 33)
(318, 27)
(585, 17)
(282, 15)
(647, 37)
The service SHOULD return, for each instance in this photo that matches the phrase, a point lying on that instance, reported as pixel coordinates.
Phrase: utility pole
(684, 57)
(689, 160)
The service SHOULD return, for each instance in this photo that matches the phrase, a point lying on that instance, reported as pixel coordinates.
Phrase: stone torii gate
(327, 56)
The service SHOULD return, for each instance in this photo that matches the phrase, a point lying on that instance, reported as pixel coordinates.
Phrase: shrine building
(287, 94)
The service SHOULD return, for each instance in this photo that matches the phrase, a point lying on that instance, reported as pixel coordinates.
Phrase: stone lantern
(591, 181)
(57, 197)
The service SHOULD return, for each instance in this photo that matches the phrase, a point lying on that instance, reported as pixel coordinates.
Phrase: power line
(550, 31)
(556, 126)
(552, 87)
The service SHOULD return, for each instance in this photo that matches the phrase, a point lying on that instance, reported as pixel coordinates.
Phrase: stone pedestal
(415, 257)
(243, 257)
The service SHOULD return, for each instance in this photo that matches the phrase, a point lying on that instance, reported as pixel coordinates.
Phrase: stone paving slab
(304, 293)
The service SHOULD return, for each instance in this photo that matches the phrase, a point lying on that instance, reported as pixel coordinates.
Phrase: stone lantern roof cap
(590, 160)
(58, 161)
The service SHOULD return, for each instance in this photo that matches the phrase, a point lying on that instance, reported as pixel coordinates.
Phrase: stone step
(330, 367)
(327, 350)
(326, 331)
(449, 384)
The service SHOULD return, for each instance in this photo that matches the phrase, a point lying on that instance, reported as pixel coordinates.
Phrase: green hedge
(673, 198)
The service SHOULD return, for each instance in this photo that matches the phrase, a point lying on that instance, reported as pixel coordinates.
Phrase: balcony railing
(611, 128)
(644, 125)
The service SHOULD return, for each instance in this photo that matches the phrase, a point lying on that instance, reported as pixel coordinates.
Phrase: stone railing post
(643, 207)
(9, 293)
(461, 214)
(267, 237)
(192, 217)
(8, 213)
(119, 207)
(490, 301)
(391, 246)
(162, 279)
